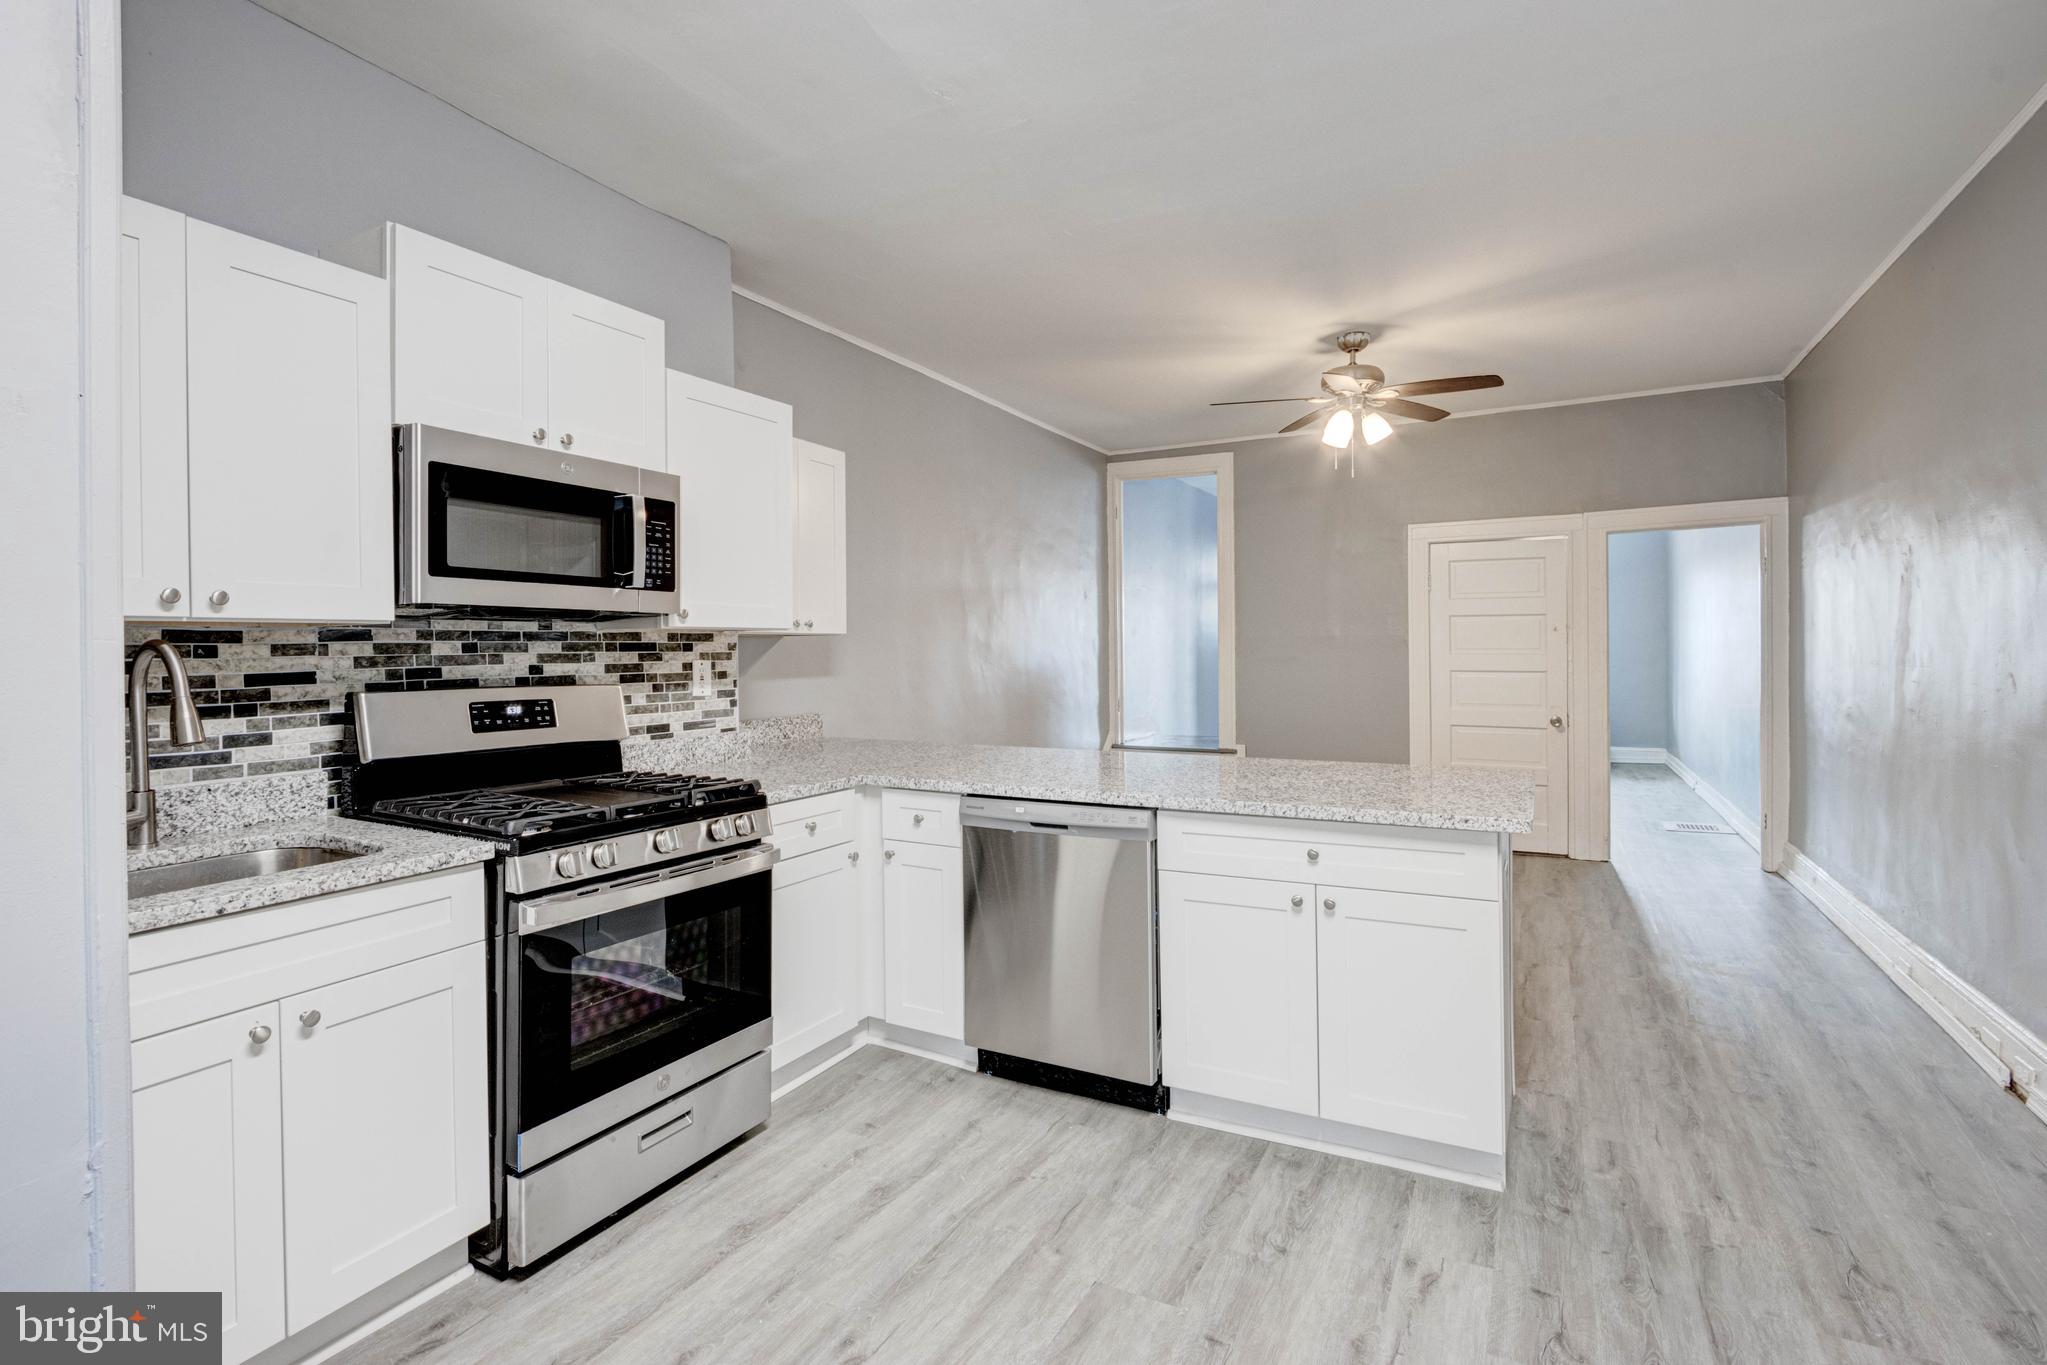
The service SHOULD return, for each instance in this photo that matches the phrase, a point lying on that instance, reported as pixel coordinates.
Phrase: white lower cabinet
(1353, 1005)
(1237, 989)
(385, 1106)
(325, 1126)
(209, 1175)
(815, 951)
(923, 938)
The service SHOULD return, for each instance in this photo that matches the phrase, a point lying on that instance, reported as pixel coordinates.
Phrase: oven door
(624, 993)
(489, 524)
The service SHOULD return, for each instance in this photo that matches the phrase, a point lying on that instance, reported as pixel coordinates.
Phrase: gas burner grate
(497, 812)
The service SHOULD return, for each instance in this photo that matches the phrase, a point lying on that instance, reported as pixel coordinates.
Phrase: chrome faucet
(185, 729)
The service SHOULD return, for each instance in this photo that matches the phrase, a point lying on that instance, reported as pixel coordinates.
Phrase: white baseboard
(1624, 754)
(2006, 1051)
(1722, 807)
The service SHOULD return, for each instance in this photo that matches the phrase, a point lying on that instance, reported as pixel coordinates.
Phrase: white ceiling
(1106, 213)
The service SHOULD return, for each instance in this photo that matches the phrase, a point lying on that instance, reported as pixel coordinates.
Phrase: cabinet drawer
(1427, 862)
(921, 817)
(196, 971)
(813, 823)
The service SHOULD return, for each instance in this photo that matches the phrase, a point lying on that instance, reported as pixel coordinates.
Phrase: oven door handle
(566, 907)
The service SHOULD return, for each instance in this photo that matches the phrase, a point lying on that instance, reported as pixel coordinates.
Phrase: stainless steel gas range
(630, 944)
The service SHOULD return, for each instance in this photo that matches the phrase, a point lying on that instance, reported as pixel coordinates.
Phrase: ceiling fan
(1363, 398)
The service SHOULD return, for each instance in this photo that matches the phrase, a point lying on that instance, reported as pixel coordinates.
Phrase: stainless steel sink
(229, 867)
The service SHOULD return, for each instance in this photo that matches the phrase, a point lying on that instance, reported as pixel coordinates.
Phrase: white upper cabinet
(468, 340)
(156, 560)
(820, 540)
(485, 347)
(605, 378)
(736, 552)
(289, 417)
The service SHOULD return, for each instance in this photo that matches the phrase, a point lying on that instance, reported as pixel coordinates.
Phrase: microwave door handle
(627, 513)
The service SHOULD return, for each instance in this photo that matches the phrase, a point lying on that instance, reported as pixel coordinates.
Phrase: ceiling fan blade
(1302, 421)
(1416, 388)
(1243, 402)
(1420, 412)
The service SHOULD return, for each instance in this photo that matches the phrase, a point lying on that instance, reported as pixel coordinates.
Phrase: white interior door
(1499, 669)
(209, 1171)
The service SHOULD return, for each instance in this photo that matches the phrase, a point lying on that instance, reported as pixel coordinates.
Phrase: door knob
(170, 597)
(540, 433)
(568, 439)
(310, 1019)
(260, 1034)
(1556, 722)
(218, 597)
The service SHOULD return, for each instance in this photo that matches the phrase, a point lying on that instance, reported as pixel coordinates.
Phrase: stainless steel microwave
(489, 527)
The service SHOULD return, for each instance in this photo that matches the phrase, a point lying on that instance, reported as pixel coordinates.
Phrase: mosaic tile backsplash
(275, 698)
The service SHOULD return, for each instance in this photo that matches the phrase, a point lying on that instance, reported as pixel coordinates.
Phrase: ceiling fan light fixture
(1374, 428)
(1337, 433)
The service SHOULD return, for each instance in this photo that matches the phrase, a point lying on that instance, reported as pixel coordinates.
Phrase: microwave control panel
(658, 573)
(490, 717)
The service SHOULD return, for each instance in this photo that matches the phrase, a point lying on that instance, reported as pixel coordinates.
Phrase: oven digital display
(489, 717)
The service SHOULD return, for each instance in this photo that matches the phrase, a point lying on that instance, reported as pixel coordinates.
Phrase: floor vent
(1694, 827)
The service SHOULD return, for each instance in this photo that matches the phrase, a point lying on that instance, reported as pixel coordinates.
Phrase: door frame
(1773, 517)
(1222, 464)
(1589, 725)
(1570, 529)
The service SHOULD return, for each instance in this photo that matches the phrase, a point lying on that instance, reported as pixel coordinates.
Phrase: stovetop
(599, 803)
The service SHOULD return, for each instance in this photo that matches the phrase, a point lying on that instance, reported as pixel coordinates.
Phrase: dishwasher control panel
(1010, 813)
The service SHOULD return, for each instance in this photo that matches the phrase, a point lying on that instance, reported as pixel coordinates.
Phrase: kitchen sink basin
(229, 867)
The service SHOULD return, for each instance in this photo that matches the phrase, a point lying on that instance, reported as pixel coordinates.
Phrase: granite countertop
(390, 852)
(1500, 801)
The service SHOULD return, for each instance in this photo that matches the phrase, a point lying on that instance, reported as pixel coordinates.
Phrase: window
(1172, 600)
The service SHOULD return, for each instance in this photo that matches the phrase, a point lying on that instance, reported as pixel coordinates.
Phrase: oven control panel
(658, 573)
(490, 717)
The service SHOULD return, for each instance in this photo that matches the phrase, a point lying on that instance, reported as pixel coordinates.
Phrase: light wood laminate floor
(1734, 1140)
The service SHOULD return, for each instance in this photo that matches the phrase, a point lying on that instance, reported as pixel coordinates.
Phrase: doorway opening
(1685, 622)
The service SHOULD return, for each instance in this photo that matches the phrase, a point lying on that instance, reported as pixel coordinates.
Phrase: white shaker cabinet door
(923, 938)
(1412, 1033)
(289, 397)
(156, 562)
(1237, 989)
(468, 340)
(734, 455)
(820, 539)
(815, 951)
(606, 368)
(386, 1132)
(209, 1179)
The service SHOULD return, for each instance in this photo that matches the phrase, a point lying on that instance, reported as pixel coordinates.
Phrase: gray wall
(1322, 557)
(973, 546)
(1716, 660)
(240, 118)
(1918, 454)
(1638, 639)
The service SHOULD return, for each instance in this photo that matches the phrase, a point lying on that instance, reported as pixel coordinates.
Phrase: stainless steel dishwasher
(1062, 953)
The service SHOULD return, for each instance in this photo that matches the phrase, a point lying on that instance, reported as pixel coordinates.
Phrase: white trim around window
(1222, 465)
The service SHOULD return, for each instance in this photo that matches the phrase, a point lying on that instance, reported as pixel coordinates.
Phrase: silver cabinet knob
(170, 597)
(1556, 722)
(218, 597)
(854, 856)
(540, 433)
(810, 826)
(888, 855)
(1329, 905)
(310, 1019)
(1314, 855)
(810, 625)
(260, 1034)
(682, 615)
(568, 440)
(1297, 902)
(916, 820)
(796, 625)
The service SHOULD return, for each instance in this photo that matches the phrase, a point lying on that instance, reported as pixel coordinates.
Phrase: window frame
(1222, 464)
